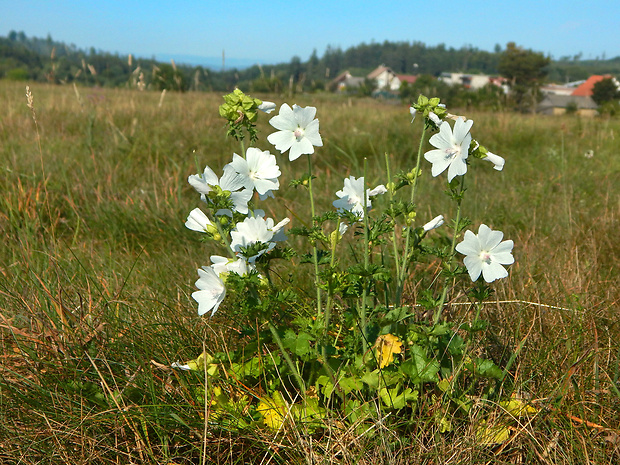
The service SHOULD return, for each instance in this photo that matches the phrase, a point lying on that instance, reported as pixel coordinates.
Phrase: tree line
(46, 60)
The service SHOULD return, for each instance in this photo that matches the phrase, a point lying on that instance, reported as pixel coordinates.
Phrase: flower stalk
(401, 273)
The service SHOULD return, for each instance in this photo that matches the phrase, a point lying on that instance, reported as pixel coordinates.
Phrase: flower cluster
(250, 235)
(485, 253)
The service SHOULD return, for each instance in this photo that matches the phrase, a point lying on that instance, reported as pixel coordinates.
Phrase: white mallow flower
(204, 183)
(230, 181)
(486, 253)
(259, 170)
(433, 224)
(211, 291)
(198, 221)
(452, 149)
(255, 230)
(498, 162)
(352, 196)
(297, 131)
(267, 107)
(226, 265)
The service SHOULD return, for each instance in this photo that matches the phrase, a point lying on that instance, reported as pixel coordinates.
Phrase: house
(556, 104)
(556, 89)
(586, 89)
(345, 82)
(472, 81)
(387, 80)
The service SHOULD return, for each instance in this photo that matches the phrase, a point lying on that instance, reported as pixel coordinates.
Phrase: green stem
(298, 379)
(330, 300)
(315, 253)
(224, 237)
(391, 194)
(362, 310)
(457, 222)
(401, 273)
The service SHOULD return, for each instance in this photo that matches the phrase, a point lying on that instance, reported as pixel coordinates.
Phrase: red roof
(585, 89)
(406, 78)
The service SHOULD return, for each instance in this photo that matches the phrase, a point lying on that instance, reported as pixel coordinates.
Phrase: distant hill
(30, 58)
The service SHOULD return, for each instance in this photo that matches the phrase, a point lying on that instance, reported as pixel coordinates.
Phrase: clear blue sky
(270, 32)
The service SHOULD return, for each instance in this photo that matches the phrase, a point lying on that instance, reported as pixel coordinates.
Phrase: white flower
(452, 149)
(412, 111)
(433, 224)
(255, 230)
(211, 293)
(198, 221)
(497, 161)
(230, 181)
(352, 196)
(298, 131)
(259, 170)
(226, 265)
(486, 253)
(267, 107)
(203, 182)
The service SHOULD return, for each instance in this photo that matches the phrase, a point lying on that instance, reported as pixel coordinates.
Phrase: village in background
(510, 77)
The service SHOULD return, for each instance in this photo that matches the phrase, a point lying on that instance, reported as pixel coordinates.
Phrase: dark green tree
(605, 90)
(525, 70)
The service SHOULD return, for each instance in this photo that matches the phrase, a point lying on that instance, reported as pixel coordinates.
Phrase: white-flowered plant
(452, 148)
(351, 197)
(298, 131)
(486, 253)
(331, 329)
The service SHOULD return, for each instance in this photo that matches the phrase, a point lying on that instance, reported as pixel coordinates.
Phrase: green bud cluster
(425, 106)
(241, 112)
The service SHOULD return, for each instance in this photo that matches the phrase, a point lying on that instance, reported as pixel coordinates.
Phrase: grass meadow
(97, 271)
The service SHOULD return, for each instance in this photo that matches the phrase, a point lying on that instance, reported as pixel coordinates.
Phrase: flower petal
(493, 271)
(283, 140)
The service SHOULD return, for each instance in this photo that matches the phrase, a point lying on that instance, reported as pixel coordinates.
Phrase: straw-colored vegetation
(96, 272)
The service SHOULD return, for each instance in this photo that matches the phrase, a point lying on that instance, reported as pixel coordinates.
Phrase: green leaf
(350, 384)
(299, 344)
(419, 368)
(372, 379)
(485, 368)
(397, 400)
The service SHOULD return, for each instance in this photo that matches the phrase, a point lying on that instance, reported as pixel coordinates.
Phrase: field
(97, 271)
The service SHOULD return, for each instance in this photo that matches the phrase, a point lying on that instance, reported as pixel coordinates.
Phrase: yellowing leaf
(518, 408)
(489, 435)
(386, 346)
(273, 411)
(445, 425)
(199, 364)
